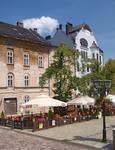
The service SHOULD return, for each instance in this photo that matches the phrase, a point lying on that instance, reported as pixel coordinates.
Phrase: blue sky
(99, 14)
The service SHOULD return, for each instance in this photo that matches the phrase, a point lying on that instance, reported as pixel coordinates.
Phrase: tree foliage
(109, 73)
(61, 71)
(85, 85)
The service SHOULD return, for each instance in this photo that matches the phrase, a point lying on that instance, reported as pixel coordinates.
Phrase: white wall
(89, 36)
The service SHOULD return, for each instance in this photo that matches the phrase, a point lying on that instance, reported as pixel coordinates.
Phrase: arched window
(10, 80)
(26, 80)
(84, 42)
(26, 98)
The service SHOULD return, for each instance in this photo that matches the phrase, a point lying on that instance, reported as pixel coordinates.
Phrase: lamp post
(103, 87)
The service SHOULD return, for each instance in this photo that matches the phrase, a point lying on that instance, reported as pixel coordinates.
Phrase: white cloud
(45, 25)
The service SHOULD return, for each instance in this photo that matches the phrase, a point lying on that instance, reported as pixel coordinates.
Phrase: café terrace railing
(35, 122)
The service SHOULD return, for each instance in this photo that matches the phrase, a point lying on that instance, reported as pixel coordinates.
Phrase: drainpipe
(48, 66)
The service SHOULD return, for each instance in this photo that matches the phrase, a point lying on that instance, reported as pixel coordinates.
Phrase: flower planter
(99, 115)
(40, 125)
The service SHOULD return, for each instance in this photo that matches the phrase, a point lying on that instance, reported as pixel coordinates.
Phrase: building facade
(86, 43)
(82, 39)
(24, 56)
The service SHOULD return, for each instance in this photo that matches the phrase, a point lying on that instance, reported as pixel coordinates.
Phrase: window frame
(26, 59)
(41, 61)
(88, 69)
(26, 98)
(83, 68)
(26, 80)
(93, 55)
(84, 43)
(10, 79)
(10, 56)
(97, 57)
(100, 59)
(84, 55)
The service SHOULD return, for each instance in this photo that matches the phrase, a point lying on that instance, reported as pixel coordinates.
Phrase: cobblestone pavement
(84, 133)
(10, 140)
(87, 132)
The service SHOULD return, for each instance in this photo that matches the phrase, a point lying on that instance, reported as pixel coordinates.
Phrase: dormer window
(84, 43)
(10, 56)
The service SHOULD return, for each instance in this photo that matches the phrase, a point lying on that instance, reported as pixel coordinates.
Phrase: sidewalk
(87, 133)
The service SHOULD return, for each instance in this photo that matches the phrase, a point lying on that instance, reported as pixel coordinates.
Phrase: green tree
(109, 73)
(62, 73)
(85, 84)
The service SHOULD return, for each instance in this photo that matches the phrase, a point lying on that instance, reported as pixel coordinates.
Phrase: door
(10, 106)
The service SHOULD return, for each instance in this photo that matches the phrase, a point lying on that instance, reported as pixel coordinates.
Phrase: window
(97, 57)
(26, 98)
(93, 55)
(78, 66)
(87, 69)
(84, 55)
(100, 59)
(83, 67)
(26, 59)
(84, 43)
(26, 80)
(40, 62)
(10, 79)
(10, 57)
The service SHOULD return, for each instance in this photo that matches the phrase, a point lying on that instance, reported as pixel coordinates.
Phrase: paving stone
(11, 140)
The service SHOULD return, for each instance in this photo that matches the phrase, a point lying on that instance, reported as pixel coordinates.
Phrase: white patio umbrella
(78, 101)
(90, 100)
(44, 101)
(111, 97)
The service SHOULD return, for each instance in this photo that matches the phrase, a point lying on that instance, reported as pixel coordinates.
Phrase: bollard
(22, 123)
(34, 125)
(13, 123)
(113, 138)
(46, 124)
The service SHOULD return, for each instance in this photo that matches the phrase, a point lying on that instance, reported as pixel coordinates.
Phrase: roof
(79, 27)
(101, 51)
(20, 33)
(60, 37)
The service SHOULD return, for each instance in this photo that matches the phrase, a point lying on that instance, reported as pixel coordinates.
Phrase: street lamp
(103, 87)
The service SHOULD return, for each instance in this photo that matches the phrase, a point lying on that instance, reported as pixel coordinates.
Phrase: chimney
(48, 37)
(60, 26)
(20, 24)
(35, 30)
(68, 27)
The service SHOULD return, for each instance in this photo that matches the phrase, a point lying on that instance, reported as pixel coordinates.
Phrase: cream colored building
(24, 56)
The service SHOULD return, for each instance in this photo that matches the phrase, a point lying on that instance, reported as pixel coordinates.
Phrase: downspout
(48, 66)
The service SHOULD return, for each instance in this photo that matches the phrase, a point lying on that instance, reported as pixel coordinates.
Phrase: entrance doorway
(10, 106)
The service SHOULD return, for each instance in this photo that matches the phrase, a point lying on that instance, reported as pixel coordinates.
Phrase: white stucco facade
(81, 38)
(86, 44)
